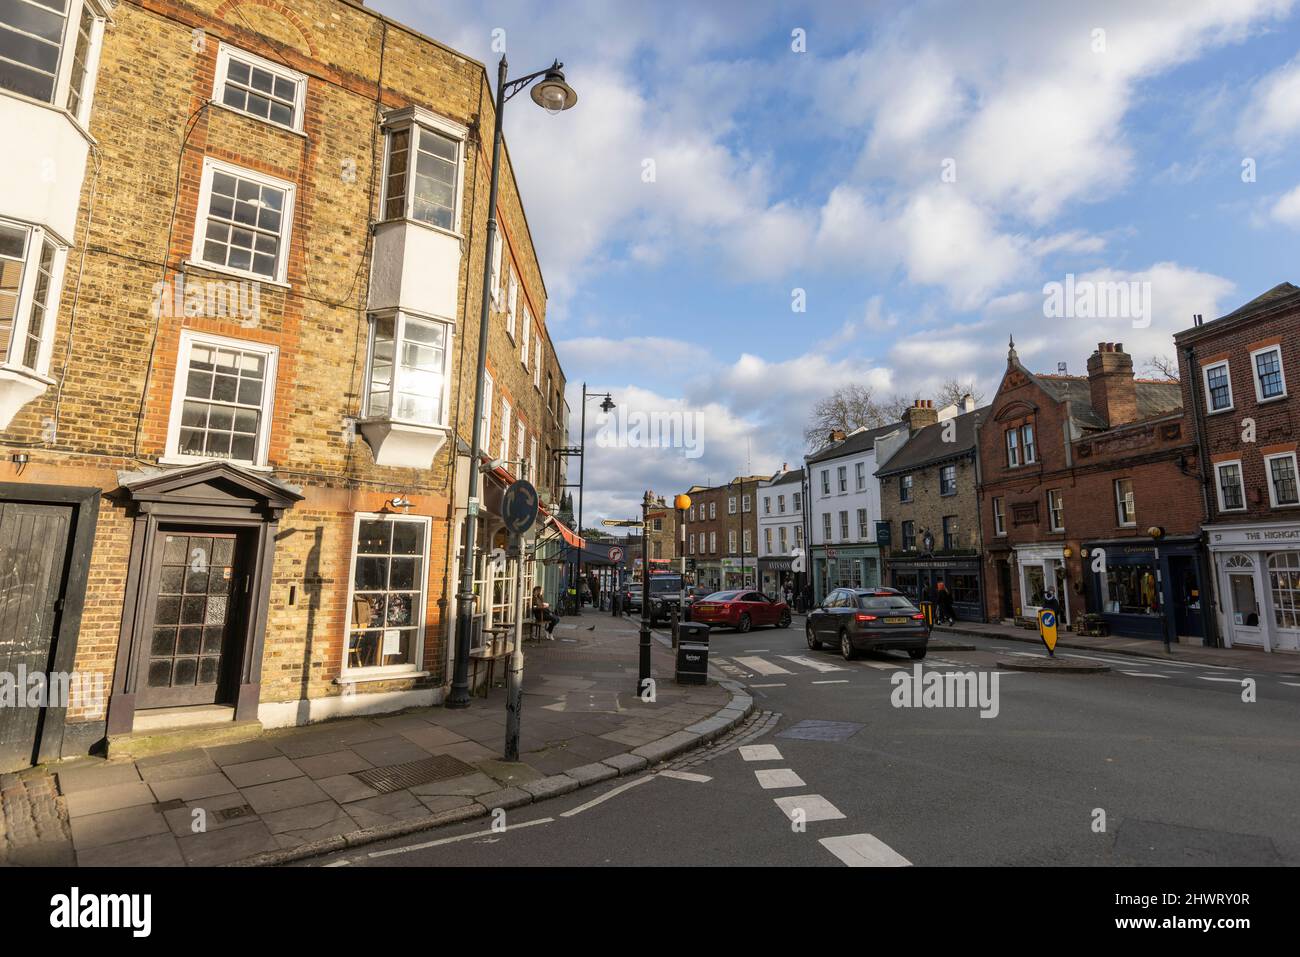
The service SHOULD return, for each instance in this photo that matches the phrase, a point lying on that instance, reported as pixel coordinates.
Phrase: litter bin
(692, 653)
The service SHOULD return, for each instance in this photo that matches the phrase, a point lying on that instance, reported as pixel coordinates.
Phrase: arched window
(1284, 579)
(1239, 562)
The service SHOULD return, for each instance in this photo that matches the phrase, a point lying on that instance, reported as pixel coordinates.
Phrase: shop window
(1132, 590)
(965, 588)
(1035, 581)
(387, 596)
(1284, 579)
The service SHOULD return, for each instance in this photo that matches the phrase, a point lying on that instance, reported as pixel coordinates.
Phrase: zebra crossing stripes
(762, 666)
(864, 850)
(812, 663)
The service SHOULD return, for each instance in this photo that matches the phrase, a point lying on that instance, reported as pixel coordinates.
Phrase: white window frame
(780, 504)
(537, 362)
(999, 516)
(506, 413)
(767, 540)
(864, 525)
(416, 666)
(1055, 509)
(713, 510)
(1013, 448)
(1254, 374)
(210, 168)
(744, 541)
(532, 459)
(226, 53)
(1205, 383)
(731, 505)
(798, 536)
(400, 316)
(731, 541)
(842, 479)
(745, 503)
(409, 118)
(860, 475)
(1268, 477)
(783, 538)
(189, 337)
(512, 302)
(12, 362)
(498, 252)
(826, 527)
(521, 445)
(844, 525)
(1218, 484)
(1028, 444)
(485, 421)
(1120, 499)
(67, 55)
(525, 333)
(713, 542)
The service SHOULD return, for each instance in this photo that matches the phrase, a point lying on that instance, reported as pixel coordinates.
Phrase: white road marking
(882, 665)
(771, 778)
(775, 684)
(1143, 674)
(1291, 684)
(686, 776)
(1231, 681)
(864, 850)
(760, 752)
(814, 807)
(607, 795)
(812, 663)
(840, 681)
(452, 840)
(762, 666)
(343, 863)
(1134, 661)
(757, 651)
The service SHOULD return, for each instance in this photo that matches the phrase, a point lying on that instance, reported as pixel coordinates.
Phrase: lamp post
(643, 671)
(553, 94)
(682, 502)
(606, 405)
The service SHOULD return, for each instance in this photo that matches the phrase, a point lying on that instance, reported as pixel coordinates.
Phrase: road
(1152, 763)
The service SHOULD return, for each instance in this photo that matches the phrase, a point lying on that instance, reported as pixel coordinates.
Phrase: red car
(741, 610)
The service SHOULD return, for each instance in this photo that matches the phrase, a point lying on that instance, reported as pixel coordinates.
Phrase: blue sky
(1114, 155)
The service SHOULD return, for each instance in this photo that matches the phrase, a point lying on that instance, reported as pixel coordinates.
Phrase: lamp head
(553, 94)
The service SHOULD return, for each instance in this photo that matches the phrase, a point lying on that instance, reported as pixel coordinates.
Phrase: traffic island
(1072, 666)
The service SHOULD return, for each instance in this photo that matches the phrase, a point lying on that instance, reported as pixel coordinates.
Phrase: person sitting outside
(542, 611)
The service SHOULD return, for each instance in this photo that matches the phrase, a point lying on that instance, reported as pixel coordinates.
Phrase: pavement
(1276, 662)
(294, 793)
(1154, 762)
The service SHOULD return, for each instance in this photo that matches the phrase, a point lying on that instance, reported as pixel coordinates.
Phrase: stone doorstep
(625, 763)
(146, 743)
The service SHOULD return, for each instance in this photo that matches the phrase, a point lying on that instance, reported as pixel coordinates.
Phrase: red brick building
(1236, 372)
(1089, 488)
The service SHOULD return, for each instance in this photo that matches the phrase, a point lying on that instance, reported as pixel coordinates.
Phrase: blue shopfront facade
(1146, 587)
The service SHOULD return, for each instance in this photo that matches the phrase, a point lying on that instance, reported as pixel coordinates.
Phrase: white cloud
(1287, 209)
(1272, 116)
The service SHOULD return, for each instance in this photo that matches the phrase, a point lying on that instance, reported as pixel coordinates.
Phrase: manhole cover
(395, 777)
(231, 813)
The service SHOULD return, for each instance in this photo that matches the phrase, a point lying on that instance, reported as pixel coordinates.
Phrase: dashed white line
(762, 666)
(1143, 674)
(832, 681)
(812, 663)
(1231, 681)
(770, 684)
(864, 850)
(772, 778)
(760, 752)
(814, 808)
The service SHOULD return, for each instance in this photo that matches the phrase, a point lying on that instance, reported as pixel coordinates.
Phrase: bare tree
(847, 408)
(953, 391)
(1164, 368)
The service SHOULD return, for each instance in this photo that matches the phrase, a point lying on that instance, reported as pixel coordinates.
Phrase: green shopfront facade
(844, 566)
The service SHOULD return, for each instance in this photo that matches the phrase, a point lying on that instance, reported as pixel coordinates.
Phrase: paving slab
(332, 763)
(111, 798)
(265, 798)
(214, 848)
(265, 771)
(156, 850)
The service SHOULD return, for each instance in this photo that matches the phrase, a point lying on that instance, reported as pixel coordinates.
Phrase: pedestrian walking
(944, 597)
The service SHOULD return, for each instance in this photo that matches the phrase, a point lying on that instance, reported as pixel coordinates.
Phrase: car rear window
(885, 603)
(723, 596)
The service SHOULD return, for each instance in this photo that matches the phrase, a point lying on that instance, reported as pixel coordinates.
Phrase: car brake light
(865, 617)
(920, 616)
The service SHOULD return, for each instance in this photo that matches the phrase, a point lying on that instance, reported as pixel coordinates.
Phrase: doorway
(1004, 590)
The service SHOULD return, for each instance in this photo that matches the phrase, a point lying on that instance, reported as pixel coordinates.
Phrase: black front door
(197, 612)
(33, 568)
(1004, 589)
(1185, 581)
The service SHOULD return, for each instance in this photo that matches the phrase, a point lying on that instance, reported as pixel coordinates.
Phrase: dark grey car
(868, 619)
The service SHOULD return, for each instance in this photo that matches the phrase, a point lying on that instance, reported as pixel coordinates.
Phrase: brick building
(240, 345)
(929, 500)
(1236, 374)
(1089, 488)
(722, 533)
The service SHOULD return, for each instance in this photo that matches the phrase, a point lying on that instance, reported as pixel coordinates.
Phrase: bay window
(49, 50)
(407, 381)
(31, 275)
(423, 172)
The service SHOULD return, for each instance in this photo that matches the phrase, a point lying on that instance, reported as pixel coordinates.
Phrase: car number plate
(896, 621)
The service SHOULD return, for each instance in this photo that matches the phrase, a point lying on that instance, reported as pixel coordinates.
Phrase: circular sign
(519, 507)
(1049, 619)
(616, 554)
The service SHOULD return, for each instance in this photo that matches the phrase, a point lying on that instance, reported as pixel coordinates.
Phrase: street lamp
(606, 406)
(554, 95)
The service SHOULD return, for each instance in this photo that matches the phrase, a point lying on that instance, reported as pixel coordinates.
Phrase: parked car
(741, 609)
(868, 619)
(661, 586)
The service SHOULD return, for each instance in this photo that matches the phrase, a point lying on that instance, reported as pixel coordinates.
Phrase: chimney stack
(921, 414)
(967, 403)
(837, 435)
(1110, 380)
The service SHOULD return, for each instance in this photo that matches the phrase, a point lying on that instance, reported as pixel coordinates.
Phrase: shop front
(739, 572)
(919, 577)
(1143, 587)
(1040, 568)
(845, 567)
(776, 574)
(1257, 571)
(708, 574)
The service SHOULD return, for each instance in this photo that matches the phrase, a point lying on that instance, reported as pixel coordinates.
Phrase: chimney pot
(1111, 384)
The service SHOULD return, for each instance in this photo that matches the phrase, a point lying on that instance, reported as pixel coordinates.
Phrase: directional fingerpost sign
(1047, 629)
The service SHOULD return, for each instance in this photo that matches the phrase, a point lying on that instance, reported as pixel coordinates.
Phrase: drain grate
(395, 777)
